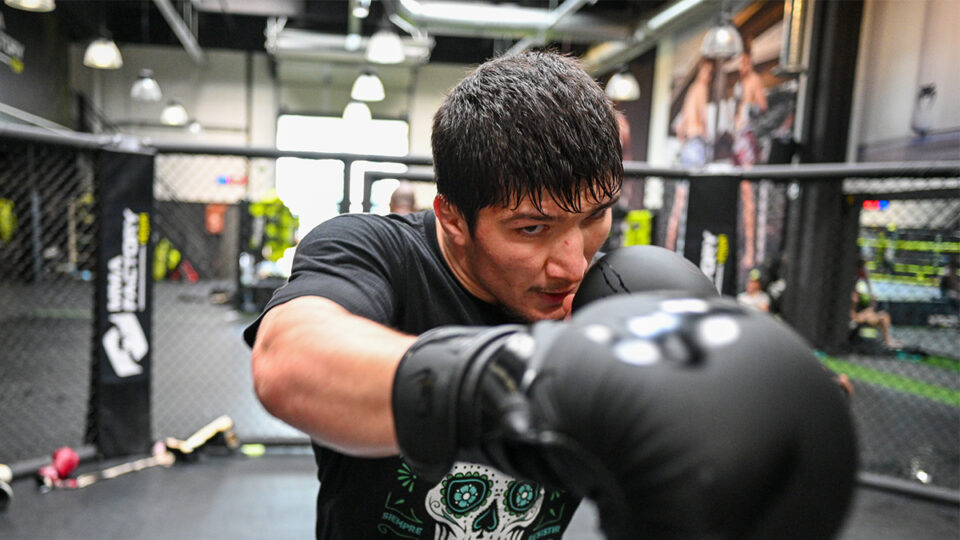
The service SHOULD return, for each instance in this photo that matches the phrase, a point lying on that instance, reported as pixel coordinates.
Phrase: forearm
(329, 373)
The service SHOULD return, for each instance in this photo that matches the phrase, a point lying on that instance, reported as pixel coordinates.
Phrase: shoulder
(365, 226)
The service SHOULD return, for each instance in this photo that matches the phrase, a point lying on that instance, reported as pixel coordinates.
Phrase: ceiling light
(385, 47)
(352, 42)
(361, 9)
(39, 6)
(623, 86)
(145, 88)
(367, 87)
(723, 40)
(356, 111)
(174, 114)
(195, 128)
(102, 53)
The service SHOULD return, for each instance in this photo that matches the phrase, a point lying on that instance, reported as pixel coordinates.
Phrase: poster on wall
(736, 111)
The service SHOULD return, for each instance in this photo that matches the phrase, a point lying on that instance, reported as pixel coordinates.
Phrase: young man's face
(532, 262)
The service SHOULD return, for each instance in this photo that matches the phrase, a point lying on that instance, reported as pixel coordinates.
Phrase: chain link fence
(219, 240)
(203, 227)
(906, 398)
(903, 347)
(47, 264)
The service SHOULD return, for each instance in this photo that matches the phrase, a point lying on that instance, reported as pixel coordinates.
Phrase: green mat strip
(895, 382)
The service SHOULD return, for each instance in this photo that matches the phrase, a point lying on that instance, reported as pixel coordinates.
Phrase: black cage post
(820, 211)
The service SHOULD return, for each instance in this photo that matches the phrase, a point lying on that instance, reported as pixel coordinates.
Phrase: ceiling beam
(180, 29)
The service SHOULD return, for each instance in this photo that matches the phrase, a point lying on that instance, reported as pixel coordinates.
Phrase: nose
(567, 260)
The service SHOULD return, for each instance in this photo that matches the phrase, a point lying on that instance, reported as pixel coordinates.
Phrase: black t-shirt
(390, 270)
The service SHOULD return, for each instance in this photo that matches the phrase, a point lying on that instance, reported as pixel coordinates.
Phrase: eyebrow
(539, 216)
(607, 204)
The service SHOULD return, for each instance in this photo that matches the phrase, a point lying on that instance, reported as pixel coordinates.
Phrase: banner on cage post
(120, 396)
(710, 240)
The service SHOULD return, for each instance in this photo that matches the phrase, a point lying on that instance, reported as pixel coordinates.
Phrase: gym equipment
(220, 430)
(163, 453)
(64, 462)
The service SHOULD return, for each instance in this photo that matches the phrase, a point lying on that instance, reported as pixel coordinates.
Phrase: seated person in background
(950, 284)
(754, 296)
(863, 309)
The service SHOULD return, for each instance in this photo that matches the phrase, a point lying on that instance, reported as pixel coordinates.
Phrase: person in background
(695, 151)
(753, 97)
(403, 200)
(754, 296)
(950, 284)
(863, 307)
(692, 130)
(747, 150)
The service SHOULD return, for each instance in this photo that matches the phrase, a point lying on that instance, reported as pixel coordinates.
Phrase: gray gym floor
(273, 497)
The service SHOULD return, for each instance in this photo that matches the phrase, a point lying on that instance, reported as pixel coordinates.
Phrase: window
(312, 188)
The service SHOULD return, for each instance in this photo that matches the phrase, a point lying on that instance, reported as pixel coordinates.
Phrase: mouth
(555, 298)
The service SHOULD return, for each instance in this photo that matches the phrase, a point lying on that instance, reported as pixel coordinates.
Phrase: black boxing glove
(636, 269)
(679, 417)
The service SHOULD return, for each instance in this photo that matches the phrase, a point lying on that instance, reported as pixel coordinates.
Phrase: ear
(451, 221)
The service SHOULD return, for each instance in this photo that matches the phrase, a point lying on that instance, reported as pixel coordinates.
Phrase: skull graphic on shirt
(475, 501)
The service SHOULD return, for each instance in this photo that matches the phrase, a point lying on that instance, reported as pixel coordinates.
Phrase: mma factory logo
(11, 50)
(125, 342)
(713, 256)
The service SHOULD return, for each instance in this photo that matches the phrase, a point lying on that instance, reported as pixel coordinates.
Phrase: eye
(531, 230)
(599, 213)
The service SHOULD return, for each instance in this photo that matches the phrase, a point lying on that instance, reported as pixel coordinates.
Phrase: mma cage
(121, 256)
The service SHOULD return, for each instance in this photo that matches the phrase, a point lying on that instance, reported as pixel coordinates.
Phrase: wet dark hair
(528, 124)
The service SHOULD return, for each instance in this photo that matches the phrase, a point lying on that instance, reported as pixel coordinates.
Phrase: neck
(456, 259)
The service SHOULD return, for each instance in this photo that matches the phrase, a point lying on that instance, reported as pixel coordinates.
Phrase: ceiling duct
(606, 57)
(504, 21)
(181, 30)
(272, 8)
(296, 44)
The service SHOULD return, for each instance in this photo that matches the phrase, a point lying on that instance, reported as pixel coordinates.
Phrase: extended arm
(329, 373)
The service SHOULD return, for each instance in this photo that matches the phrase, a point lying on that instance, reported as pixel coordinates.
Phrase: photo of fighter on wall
(736, 111)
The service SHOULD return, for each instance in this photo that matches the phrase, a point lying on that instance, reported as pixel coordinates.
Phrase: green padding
(942, 363)
(894, 382)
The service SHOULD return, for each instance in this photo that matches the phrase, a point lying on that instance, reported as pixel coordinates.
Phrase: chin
(527, 315)
(555, 314)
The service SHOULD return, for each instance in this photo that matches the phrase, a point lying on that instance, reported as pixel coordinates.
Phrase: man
(528, 163)
(695, 151)
(692, 130)
(754, 296)
(864, 310)
(753, 102)
(403, 199)
(753, 97)
(950, 284)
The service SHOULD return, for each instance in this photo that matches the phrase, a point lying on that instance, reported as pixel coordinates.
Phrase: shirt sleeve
(347, 259)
